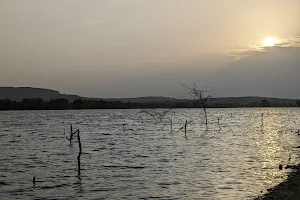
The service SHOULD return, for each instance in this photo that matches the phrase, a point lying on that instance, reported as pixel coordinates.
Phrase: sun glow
(269, 42)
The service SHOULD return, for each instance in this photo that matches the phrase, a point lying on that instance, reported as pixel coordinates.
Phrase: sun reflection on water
(270, 149)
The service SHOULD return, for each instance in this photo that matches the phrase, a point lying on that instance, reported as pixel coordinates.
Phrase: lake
(143, 159)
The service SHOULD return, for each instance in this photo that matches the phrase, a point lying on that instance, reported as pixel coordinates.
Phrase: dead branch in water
(71, 134)
(171, 123)
(219, 122)
(185, 126)
(262, 121)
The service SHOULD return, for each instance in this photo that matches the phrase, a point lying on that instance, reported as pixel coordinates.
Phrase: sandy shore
(287, 190)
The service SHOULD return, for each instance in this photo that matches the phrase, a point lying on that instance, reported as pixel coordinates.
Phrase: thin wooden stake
(219, 122)
(171, 123)
(185, 125)
(79, 153)
(71, 134)
(262, 121)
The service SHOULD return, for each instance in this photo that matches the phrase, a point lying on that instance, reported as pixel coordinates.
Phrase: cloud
(242, 53)
(90, 23)
(273, 73)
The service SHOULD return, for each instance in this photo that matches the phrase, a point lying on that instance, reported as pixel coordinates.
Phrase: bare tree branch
(71, 134)
(201, 96)
(158, 115)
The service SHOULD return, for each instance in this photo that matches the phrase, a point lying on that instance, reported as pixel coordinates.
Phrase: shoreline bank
(287, 190)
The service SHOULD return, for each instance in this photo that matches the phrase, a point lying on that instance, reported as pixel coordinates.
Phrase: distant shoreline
(79, 104)
(136, 108)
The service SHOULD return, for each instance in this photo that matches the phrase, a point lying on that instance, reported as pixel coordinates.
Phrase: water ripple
(143, 159)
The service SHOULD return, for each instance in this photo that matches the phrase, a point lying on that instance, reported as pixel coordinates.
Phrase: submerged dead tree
(185, 126)
(79, 146)
(200, 96)
(158, 115)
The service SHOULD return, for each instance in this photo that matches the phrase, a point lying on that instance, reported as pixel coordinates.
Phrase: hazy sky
(127, 48)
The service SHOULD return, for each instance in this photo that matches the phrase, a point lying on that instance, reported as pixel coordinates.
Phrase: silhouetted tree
(58, 104)
(6, 104)
(265, 103)
(33, 103)
(77, 103)
(298, 103)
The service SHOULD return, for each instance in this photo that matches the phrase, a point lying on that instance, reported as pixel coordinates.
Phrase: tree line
(64, 104)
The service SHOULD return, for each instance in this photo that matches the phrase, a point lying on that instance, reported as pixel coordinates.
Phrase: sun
(269, 42)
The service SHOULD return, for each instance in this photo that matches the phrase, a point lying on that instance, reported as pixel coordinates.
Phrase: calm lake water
(145, 160)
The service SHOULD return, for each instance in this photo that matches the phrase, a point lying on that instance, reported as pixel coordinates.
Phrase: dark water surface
(146, 161)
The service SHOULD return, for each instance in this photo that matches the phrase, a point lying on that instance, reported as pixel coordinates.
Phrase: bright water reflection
(145, 161)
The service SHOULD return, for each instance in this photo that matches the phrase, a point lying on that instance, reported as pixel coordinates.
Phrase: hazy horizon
(118, 49)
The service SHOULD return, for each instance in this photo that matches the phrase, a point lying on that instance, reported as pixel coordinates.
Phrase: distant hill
(19, 93)
(145, 99)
